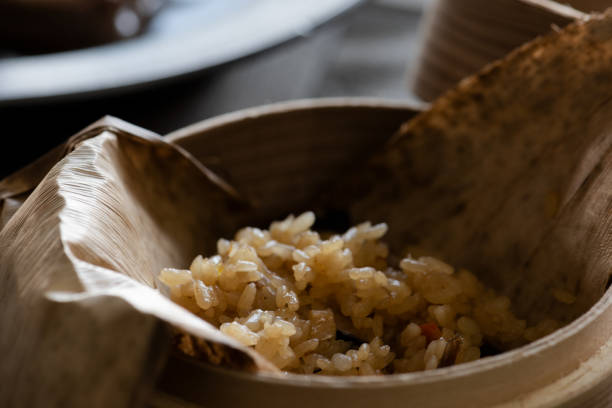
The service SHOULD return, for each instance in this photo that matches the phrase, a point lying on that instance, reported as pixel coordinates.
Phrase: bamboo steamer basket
(509, 175)
(461, 36)
(572, 368)
(293, 147)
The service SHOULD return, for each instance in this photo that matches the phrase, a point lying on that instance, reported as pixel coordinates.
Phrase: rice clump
(335, 307)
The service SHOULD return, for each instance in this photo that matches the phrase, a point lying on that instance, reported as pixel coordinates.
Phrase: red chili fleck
(430, 331)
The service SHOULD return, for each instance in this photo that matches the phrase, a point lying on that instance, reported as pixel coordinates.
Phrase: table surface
(366, 52)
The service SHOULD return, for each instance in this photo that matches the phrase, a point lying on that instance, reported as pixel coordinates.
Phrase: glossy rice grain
(335, 306)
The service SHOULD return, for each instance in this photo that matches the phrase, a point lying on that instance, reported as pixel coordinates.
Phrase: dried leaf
(508, 173)
(80, 259)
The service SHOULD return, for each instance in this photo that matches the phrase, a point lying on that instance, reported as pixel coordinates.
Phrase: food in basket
(333, 305)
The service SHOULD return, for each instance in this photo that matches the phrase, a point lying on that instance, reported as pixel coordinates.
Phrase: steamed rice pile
(334, 306)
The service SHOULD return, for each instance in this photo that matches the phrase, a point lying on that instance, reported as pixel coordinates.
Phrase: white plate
(187, 37)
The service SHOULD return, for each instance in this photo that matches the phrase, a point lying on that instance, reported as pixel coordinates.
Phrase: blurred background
(328, 48)
(165, 64)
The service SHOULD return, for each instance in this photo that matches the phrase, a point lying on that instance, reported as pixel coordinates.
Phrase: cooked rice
(334, 306)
